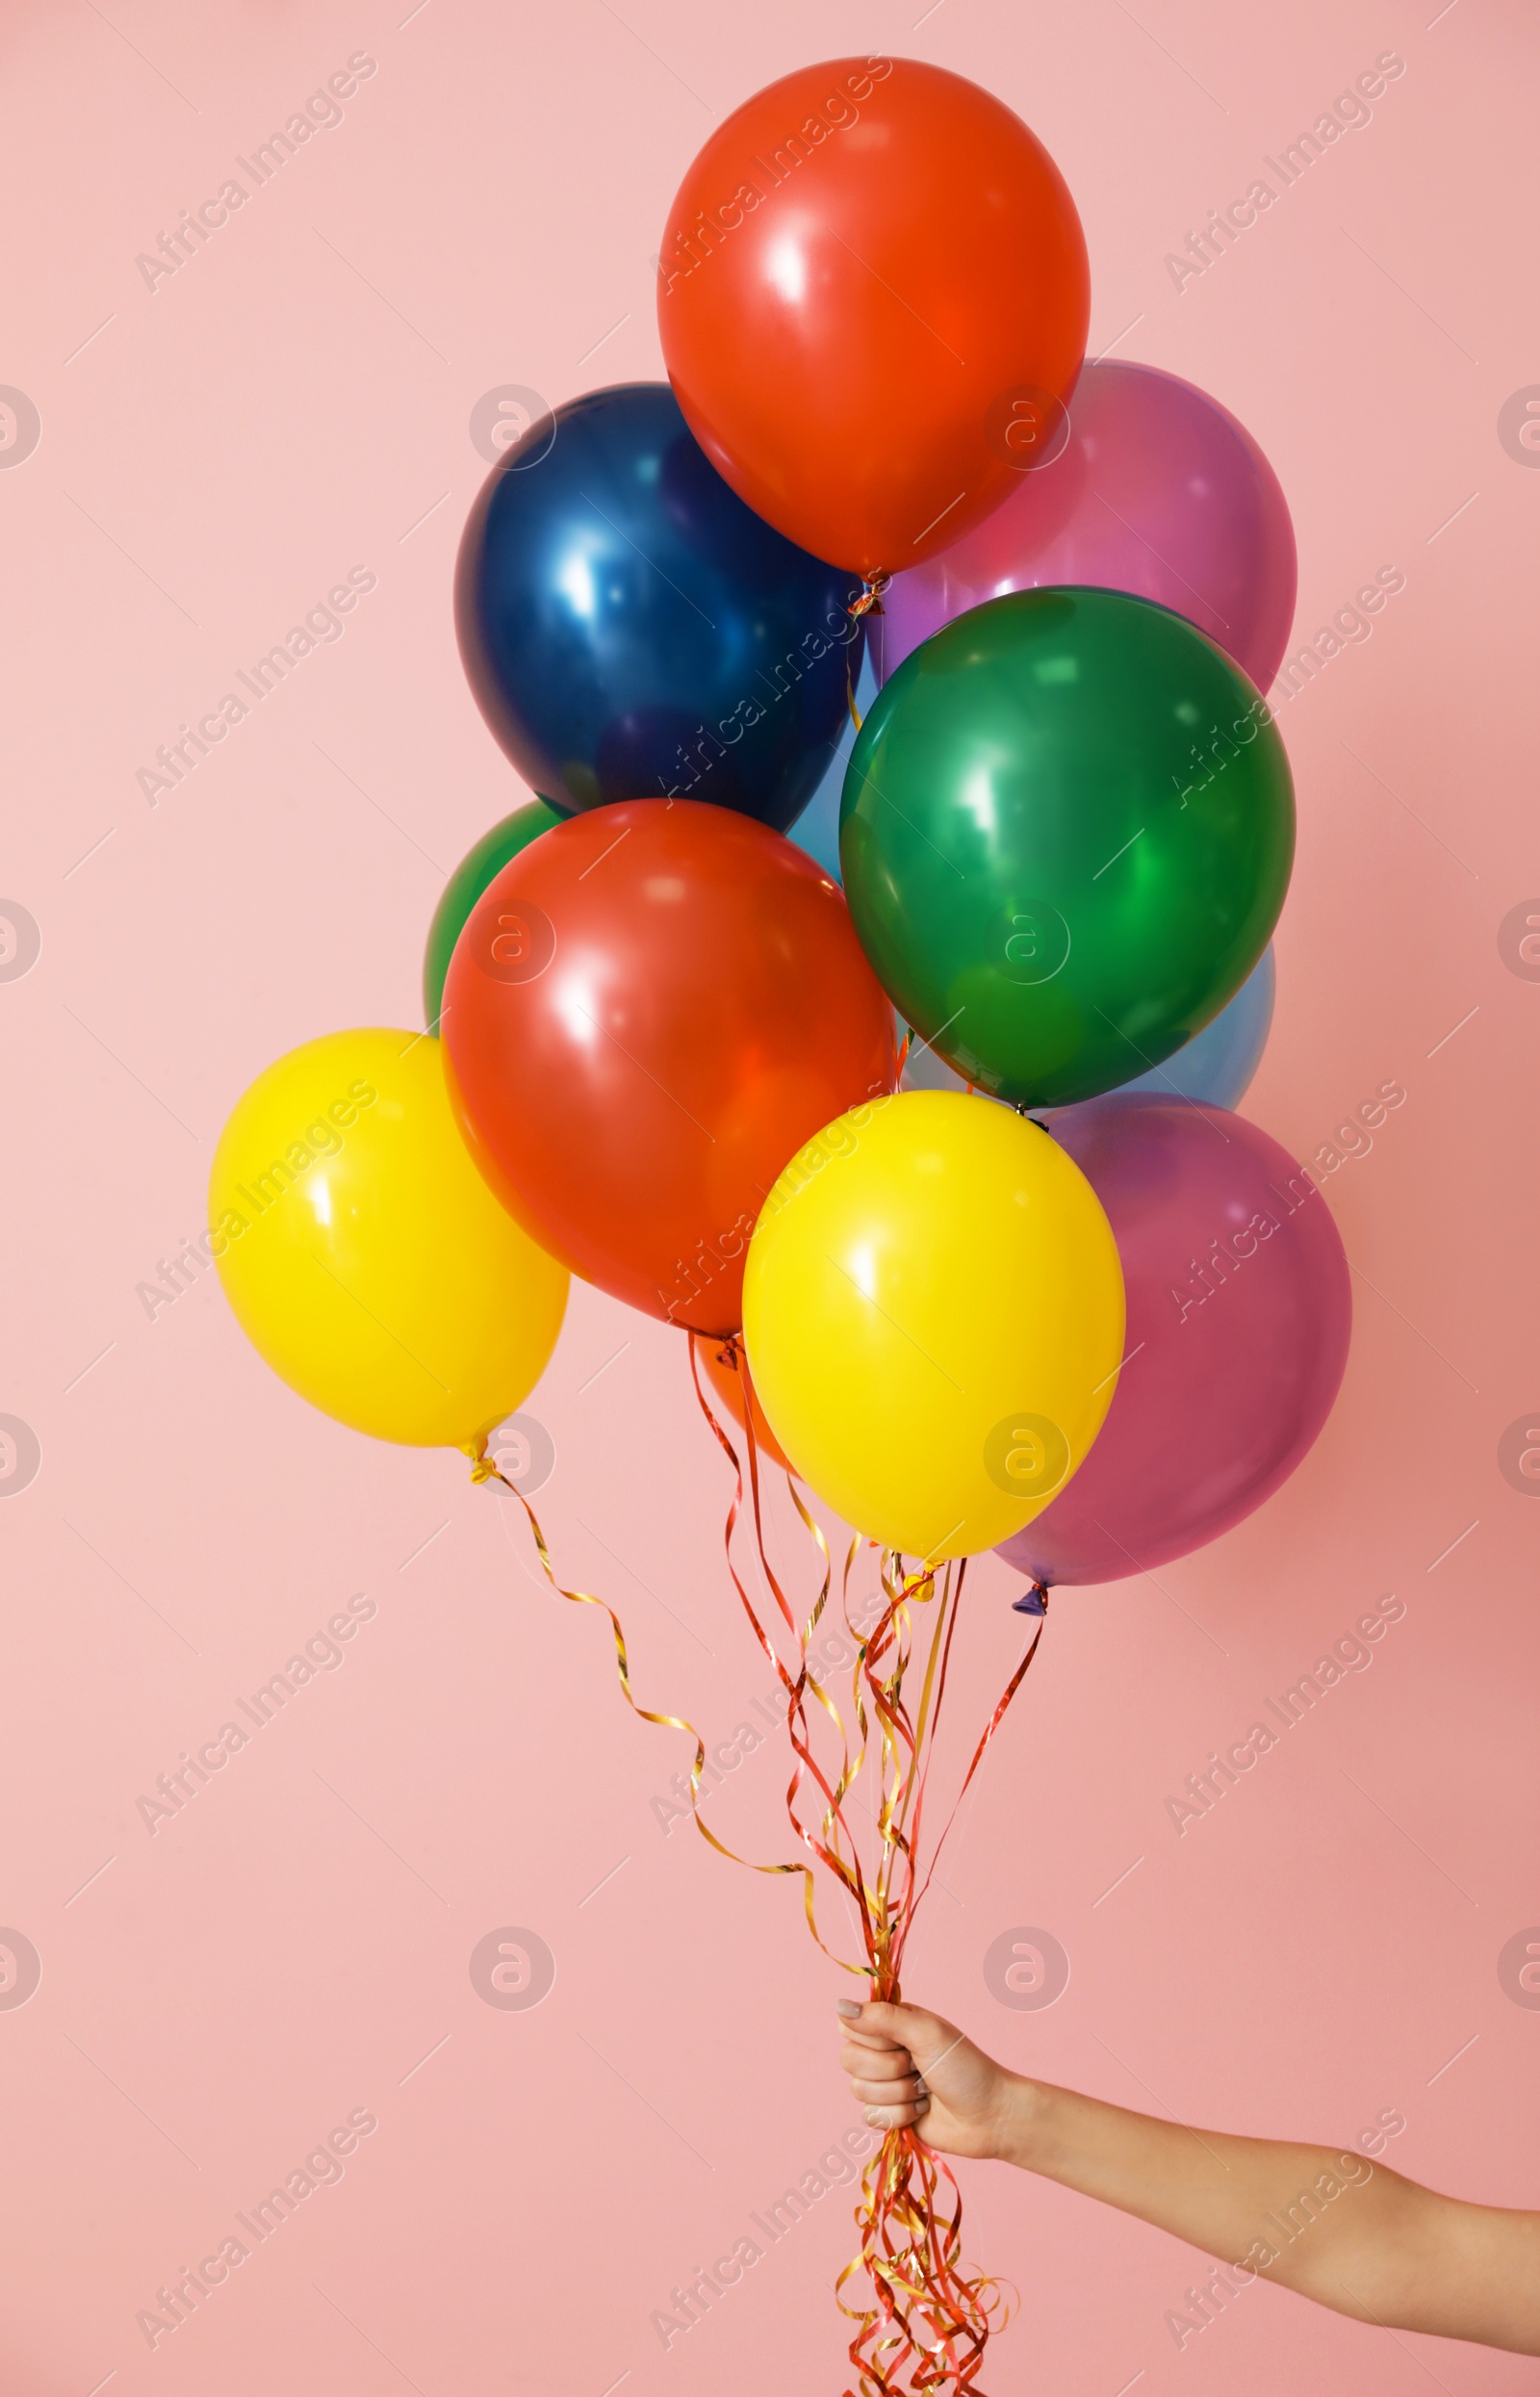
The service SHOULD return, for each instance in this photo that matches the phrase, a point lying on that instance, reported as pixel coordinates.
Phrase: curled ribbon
(927, 2317)
(482, 1469)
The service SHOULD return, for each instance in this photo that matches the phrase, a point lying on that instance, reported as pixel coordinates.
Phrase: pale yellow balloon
(932, 1310)
(363, 1253)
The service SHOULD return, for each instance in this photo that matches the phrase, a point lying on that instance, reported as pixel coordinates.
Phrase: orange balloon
(873, 298)
(730, 1387)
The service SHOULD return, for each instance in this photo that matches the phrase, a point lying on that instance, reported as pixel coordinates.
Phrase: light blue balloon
(817, 828)
(1216, 1067)
(1218, 1063)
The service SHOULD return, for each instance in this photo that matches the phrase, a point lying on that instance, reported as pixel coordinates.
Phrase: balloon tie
(871, 597)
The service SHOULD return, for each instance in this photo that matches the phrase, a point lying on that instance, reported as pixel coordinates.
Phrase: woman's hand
(910, 2067)
(1352, 2234)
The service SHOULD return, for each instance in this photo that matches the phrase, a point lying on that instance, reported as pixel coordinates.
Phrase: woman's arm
(1333, 2226)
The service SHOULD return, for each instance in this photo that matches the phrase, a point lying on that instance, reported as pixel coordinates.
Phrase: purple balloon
(1240, 1310)
(1157, 491)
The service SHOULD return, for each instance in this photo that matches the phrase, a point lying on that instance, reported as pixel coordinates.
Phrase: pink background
(293, 402)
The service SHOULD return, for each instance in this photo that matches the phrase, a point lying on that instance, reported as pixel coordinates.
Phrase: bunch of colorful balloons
(939, 1170)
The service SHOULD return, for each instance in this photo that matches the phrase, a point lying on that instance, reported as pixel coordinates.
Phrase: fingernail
(873, 2118)
(848, 2007)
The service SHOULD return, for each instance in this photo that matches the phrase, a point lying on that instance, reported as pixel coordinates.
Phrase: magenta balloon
(1158, 491)
(1239, 1316)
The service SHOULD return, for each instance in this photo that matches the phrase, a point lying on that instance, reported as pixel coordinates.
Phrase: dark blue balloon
(632, 630)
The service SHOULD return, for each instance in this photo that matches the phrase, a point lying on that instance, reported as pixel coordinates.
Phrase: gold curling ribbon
(925, 2327)
(482, 1469)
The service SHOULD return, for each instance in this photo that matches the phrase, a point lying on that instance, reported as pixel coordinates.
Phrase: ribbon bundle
(923, 2316)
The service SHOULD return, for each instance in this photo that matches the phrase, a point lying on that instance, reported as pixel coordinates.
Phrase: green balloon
(1065, 836)
(465, 885)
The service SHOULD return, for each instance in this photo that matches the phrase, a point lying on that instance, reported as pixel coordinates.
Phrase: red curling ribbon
(922, 2317)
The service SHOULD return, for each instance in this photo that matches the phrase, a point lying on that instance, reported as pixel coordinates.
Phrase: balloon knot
(482, 1468)
(871, 597)
(1034, 1601)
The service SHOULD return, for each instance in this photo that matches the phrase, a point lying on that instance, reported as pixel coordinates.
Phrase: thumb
(928, 2037)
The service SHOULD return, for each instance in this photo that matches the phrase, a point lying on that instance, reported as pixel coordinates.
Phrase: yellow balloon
(363, 1253)
(933, 1311)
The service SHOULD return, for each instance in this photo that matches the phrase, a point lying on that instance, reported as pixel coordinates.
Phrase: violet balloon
(1158, 491)
(1240, 1310)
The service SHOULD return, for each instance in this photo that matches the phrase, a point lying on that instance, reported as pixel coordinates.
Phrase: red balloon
(648, 1012)
(873, 298)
